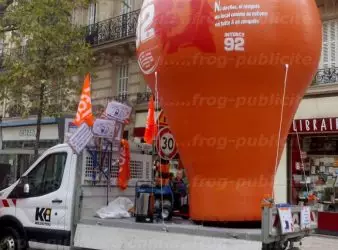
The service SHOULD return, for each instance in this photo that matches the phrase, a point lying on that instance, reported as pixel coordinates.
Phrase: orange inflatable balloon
(230, 75)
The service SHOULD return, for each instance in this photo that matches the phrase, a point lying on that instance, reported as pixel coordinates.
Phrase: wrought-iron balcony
(137, 98)
(113, 30)
(326, 76)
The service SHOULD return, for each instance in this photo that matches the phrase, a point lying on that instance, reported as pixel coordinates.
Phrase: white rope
(158, 127)
(280, 126)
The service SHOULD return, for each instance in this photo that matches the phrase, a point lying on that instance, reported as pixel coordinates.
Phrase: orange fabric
(163, 169)
(124, 171)
(220, 78)
(84, 111)
(151, 129)
(312, 197)
(180, 164)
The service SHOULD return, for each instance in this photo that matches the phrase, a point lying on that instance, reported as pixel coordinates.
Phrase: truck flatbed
(178, 227)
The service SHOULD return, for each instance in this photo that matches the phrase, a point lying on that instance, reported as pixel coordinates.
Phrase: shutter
(325, 52)
(329, 56)
(91, 13)
(126, 6)
(333, 44)
(123, 80)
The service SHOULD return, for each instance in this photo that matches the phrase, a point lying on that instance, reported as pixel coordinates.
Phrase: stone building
(111, 32)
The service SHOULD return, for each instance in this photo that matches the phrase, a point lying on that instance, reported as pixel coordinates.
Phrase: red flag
(84, 111)
(151, 129)
(124, 171)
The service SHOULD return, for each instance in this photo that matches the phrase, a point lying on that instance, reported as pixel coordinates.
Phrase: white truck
(52, 206)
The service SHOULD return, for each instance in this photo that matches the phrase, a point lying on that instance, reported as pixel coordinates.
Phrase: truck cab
(37, 209)
(41, 209)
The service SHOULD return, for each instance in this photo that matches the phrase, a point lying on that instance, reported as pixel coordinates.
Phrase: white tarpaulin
(117, 209)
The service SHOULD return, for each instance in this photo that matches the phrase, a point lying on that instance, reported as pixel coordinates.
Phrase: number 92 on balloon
(165, 144)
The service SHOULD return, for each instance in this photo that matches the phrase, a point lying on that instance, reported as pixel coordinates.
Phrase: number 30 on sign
(165, 144)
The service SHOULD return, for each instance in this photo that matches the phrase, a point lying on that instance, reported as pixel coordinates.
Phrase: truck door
(42, 209)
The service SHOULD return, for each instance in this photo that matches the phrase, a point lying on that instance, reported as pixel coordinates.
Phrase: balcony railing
(137, 98)
(114, 29)
(326, 76)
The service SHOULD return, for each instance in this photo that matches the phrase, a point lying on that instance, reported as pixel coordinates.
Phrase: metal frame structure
(113, 30)
(271, 235)
(326, 76)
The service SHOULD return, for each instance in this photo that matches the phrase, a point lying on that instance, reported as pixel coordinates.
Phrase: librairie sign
(315, 125)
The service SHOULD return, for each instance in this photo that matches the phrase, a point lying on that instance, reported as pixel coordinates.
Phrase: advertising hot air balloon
(230, 75)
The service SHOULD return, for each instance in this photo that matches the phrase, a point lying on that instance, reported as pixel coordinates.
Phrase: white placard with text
(104, 128)
(118, 111)
(286, 221)
(305, 217)
(79, 140)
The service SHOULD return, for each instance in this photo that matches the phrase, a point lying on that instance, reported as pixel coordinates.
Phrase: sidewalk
(309, 243)
(320, 242)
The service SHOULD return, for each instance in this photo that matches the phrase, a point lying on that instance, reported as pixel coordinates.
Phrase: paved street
(310, 243)
(324, 243)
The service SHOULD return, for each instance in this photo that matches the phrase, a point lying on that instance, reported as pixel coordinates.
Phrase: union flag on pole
(124, 162)
(84, 111)
(151, 129)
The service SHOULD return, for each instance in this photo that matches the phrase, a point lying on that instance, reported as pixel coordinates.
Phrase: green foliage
(53, 55)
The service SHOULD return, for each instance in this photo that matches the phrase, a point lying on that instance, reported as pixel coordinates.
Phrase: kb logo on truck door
(43, 216)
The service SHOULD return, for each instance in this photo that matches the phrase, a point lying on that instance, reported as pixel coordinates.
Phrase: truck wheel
(10, 239)
(166, 214)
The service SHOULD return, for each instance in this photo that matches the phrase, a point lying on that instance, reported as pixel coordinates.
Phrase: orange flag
(124, 171)
(84, 111)
(151, 129)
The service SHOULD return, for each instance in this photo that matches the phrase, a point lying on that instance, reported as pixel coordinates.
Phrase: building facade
(309, 165)
(111, 29)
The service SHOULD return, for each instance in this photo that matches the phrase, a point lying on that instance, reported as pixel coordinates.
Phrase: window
(92, 13)
(46, 177)
(123, 73)
(329, 57)
(126, 6)
(314, 170)
(1, 46)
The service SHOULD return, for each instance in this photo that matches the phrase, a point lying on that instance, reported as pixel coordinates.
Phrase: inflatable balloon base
(230, 75)
(218, 201)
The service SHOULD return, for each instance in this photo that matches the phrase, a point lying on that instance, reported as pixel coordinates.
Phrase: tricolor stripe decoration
(8, 203)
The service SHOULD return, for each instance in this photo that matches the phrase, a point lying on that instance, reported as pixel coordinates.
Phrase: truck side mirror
(26, 188)
(25, 183)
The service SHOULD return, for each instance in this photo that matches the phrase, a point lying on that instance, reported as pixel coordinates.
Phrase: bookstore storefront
(312, 159)
(313, 145)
